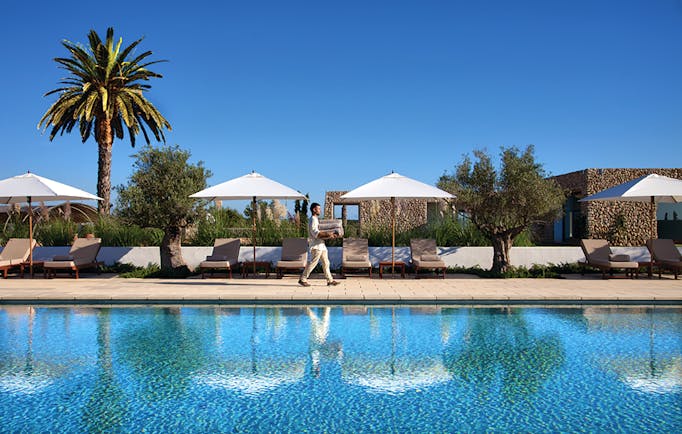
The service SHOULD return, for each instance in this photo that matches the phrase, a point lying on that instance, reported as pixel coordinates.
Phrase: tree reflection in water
(164, 352)
(499, 354)
(107, 408)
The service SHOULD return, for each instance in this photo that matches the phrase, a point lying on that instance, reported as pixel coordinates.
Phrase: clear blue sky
(330, 95)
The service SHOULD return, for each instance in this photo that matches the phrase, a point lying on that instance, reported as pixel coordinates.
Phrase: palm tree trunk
(105, 141)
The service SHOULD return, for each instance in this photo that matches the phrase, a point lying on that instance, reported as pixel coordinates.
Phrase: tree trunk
(105, 140)
(501, 245)
(171, 252)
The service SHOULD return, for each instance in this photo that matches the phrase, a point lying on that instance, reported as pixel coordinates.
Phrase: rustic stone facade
(377, 213)
(622, 223)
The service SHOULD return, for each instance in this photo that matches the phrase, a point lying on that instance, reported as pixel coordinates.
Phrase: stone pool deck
(455, 289)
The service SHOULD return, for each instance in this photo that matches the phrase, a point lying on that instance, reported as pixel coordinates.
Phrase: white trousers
(315, 256)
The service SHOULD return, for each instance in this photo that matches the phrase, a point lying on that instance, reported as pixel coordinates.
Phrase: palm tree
(104, 93)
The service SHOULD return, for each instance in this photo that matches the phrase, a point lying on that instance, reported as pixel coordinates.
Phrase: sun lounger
(16, 251)
(225, 256)
(355, 255)
(664, 254)
(294, 256)
(598, 255)
(424, 255)
(83, 255)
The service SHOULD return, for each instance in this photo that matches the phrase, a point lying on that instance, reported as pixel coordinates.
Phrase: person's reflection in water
(319, 347)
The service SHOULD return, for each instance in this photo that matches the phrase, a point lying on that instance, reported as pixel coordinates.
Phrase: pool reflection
(118, 364)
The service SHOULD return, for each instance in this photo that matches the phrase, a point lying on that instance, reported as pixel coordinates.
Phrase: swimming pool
(340, 369)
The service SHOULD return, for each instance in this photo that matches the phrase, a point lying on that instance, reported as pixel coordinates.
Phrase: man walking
(318, 250)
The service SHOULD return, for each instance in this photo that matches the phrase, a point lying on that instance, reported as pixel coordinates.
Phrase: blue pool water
(340, 369)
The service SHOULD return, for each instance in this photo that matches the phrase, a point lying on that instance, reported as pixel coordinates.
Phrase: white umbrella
(395, 186)
(650, 188)
(31, 187)
(252, 186)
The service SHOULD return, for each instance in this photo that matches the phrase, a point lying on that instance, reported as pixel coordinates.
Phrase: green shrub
(14, 227)
(448, 232)
(524, 239)
(60, 232)
(220, 223)
(128, 271)
(115, 233)
(271, 233)
(228, 223)
(550, 271)
(56, 232)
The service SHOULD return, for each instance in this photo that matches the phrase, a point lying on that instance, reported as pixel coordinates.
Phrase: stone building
(622, 223)
(377, 213)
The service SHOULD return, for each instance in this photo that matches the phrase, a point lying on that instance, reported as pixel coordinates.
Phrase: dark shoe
(302, 283)
(333, 283)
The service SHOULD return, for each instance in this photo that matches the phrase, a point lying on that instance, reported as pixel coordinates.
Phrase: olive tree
(157, 195)
(503, 203)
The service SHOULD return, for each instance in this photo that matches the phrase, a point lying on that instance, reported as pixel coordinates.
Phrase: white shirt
(313, 231)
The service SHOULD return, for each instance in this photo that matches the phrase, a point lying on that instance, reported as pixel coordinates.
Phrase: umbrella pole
(654, 230)
(393, 335)
(30, 237)
(393, 236)
(253, 214)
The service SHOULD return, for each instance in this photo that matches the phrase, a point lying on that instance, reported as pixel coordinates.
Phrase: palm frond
(104, 82)
(144, 130)
(126, 51)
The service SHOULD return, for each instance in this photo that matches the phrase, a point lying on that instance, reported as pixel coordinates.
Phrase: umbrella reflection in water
(394, 375)
(653, 373)
(27, 375)
(254, 375)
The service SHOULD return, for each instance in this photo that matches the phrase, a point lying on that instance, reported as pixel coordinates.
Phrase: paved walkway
(455, 289)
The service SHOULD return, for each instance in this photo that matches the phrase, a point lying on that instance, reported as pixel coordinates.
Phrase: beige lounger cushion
(355, 253)
(292, 258)
(291, 264)
(598, 253)
(225, 254)
(357, 258)
(619, 258)
(294, 253)
(429, 264)
(83, 251)
(429, 258)
(615, 264)
(16, 251)
(217, 264)
(424, 253)
(66, 264)
(664, 250)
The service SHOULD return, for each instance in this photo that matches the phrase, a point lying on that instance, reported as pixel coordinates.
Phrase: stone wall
(377, 213)
(622, 223)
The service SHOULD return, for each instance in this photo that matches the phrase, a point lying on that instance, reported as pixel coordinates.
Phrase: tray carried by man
(332, 226)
